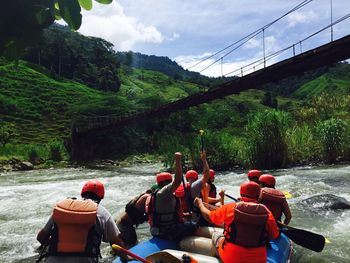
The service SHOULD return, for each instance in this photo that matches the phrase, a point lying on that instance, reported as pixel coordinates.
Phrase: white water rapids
(27, 199)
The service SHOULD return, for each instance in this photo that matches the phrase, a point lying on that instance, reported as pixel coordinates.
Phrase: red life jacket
(273, 199)
(157, 219)
(183, 197)
(247, 228)
(74, 232)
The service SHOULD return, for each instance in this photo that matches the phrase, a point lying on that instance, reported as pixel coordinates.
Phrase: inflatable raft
(278, 251)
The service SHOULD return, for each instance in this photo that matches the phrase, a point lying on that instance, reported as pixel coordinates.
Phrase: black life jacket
(247, 228)
(212, 190)
(161, 220)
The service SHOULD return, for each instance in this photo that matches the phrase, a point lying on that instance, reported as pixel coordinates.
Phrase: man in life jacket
(133, 216)
(274, 199)
(76, 228)
(212, 192)
(163, 207)
(193, 188)
(253, 175)
(248, 227)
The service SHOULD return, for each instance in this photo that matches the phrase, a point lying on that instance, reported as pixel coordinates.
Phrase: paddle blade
(163, 256)
(305, 238)
(287, 195)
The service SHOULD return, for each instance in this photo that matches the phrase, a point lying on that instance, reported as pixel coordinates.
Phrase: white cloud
(253, 43)
(302, 18)
(110, 22)
(173, 37)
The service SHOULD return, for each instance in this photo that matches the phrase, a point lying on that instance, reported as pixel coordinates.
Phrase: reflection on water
(27, 198)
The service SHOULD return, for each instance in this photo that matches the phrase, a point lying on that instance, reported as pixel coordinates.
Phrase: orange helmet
(254, 173)
(267, 179)
(191, 174)
(94, 186)
(250, 189)
(164, 176)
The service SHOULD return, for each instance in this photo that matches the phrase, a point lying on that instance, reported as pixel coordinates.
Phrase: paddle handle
(231, 197)
(116, 247)
(201, 133)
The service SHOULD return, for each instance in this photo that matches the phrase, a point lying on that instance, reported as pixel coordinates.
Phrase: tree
(269, 100)
(7, 132)
(21, 22)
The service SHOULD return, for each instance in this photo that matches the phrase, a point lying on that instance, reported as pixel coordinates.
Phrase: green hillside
(42, 108)
(335, 81)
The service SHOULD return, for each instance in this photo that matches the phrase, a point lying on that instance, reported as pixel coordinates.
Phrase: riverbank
(15, 164)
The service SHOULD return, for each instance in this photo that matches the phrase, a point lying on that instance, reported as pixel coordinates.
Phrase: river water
(27, 199)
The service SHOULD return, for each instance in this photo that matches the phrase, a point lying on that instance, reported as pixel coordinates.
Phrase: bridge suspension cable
(249, 36)
(262, 60)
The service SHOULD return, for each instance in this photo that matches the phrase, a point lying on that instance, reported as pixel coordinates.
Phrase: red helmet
(254, 173)
(250, 189)
(191, 174)
(267, 179)
(164, 176)
(94, 186)
(211, 174)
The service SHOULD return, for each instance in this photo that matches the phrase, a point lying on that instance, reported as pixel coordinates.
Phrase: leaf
(86, 4)
(106, 2)
(57, 14)
(70, 12)
(44, 17)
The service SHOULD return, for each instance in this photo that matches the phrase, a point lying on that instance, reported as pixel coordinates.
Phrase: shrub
(56, 150)
(33, 155)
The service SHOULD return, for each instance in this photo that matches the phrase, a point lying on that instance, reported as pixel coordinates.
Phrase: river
(27, 199)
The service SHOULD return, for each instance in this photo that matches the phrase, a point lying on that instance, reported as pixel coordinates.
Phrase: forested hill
(168, 67)
(94, 62)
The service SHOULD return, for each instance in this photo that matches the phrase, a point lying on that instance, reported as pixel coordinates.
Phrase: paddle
(116, 247)
(187, 193)
(232, 198)
(201, 133)
(304, 238)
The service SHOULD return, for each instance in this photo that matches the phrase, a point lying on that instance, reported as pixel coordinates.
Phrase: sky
(188, 31)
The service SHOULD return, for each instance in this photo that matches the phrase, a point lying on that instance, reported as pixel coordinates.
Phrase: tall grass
(266, 133)
(303, 145)
(332, 135)
(35, 153)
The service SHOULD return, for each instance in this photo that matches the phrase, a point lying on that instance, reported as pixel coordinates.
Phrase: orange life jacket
(162, 220)
(74, 232)
(247, 228)
(273, 199)
(182, 194)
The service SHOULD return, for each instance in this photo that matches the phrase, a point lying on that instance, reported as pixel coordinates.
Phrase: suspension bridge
(252, 76)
